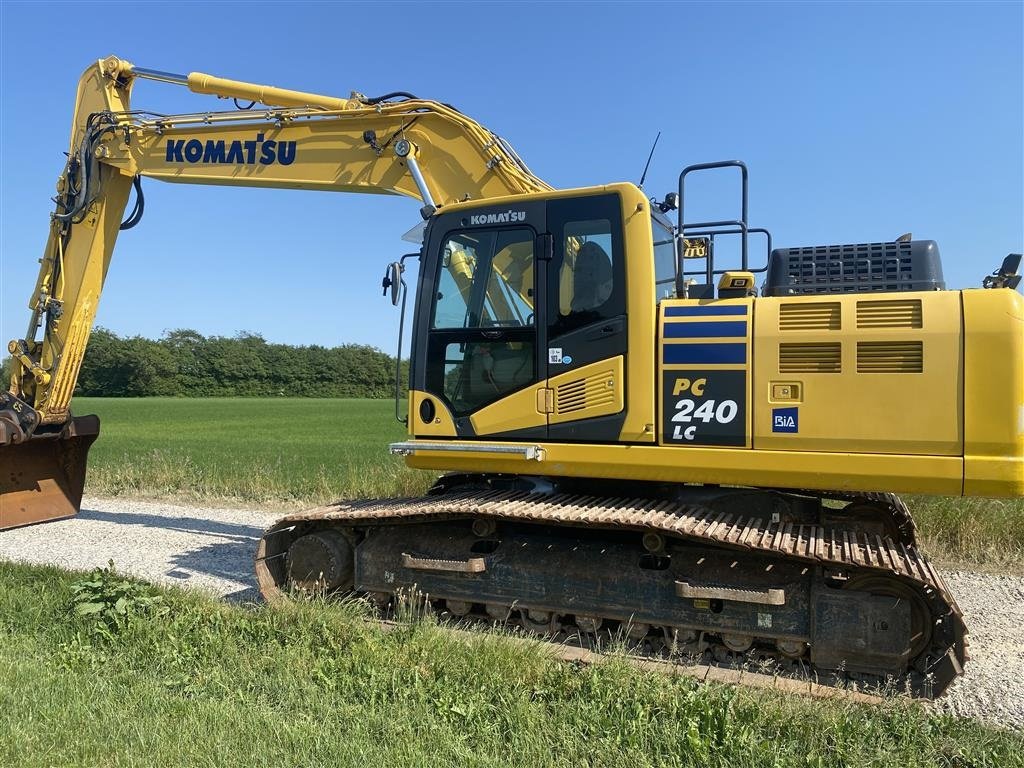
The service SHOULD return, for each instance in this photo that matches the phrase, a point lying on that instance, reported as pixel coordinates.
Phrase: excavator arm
(394, 144)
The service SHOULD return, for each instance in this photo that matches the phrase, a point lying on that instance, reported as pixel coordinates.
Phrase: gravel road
(212, 549)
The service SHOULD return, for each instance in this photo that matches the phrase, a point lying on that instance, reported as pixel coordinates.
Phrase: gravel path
(212, 549)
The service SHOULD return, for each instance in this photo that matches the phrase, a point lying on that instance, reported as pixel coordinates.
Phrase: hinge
(545, 400)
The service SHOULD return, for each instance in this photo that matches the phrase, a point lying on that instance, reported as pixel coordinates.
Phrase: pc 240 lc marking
(704, 408)
(688, 410)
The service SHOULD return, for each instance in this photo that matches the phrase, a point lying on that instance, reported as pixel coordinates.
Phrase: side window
(587, 280)
(664, 261)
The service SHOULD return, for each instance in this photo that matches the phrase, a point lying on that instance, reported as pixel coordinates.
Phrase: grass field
(191, 682)
(286, 451)
(299, 452)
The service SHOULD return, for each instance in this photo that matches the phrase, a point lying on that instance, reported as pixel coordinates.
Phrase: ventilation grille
(890, 357)
(809, 317)
(855, 268)
(889, 314)
(810, 358)
(593, 391)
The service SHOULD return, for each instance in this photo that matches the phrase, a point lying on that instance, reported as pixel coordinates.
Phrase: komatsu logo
(509, 217)
(258, 152)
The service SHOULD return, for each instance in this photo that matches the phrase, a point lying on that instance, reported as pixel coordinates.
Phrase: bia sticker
(566, 359)
(554, 355)
(786, 420)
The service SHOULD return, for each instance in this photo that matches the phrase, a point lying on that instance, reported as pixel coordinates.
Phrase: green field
(285, 452)
(198, 683)
(281, 451)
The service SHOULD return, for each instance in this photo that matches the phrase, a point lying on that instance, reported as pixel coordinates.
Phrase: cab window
(485, 280)
(483, 342)
(587, 275)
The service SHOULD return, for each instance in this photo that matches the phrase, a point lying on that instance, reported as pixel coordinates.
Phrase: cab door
(483, 345)
(586, 322)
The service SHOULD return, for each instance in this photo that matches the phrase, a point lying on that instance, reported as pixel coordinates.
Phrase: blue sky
(859, 122)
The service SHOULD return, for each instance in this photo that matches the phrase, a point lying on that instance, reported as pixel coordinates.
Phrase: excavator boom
(395, 144)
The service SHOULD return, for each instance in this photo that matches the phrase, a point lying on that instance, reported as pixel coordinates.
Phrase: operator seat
(592, 278)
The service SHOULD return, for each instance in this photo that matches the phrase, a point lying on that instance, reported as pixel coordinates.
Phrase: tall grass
(206, 684)
(979, 532)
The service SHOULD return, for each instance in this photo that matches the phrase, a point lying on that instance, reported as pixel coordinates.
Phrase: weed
(109, 602)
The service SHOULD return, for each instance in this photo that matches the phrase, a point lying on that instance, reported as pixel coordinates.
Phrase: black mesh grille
(857, 268)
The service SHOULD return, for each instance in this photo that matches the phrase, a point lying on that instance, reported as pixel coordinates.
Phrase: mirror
(395, 278)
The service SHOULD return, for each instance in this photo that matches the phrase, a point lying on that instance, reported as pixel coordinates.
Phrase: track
(841, 553)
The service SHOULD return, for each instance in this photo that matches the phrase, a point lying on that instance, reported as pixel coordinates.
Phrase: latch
(545, 400)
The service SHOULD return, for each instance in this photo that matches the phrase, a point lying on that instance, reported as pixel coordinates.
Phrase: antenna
(644, 176)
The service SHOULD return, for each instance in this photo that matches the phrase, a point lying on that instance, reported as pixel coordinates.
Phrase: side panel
(641, 407)
(512, 413)
(594, 390)
(993, 393)
(703, 364)
(859, 373)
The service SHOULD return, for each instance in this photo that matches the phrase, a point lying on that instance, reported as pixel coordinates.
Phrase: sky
(859, 122)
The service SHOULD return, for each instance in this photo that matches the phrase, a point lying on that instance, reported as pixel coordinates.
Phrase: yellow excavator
(633, 439)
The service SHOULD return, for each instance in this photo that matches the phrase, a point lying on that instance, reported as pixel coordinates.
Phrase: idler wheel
(920, 616)
(320, 561)
(589, 624)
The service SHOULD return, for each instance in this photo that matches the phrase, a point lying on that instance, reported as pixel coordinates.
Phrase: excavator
(630, 437)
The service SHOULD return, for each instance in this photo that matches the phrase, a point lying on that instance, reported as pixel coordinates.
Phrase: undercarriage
(829, 584)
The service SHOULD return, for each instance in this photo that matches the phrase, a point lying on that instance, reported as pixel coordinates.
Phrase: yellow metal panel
(516, 411)
(642, 309)
(442, 425)
(851, 358)
(729, 466)
(993, 393)
(588, 391)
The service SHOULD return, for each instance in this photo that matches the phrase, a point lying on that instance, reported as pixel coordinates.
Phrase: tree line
(184, 363)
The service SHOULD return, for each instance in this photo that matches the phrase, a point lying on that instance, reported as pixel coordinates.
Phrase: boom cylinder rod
(161, 77)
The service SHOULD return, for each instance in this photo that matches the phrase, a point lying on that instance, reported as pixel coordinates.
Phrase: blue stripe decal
(699, 310)
(705, 330)
(703, 354)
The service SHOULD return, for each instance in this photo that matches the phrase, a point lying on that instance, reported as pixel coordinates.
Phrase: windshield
(486, 280)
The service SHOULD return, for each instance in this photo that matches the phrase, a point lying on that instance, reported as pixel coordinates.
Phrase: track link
(839, 550)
